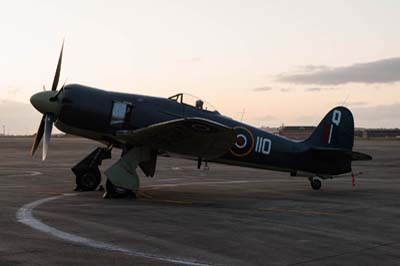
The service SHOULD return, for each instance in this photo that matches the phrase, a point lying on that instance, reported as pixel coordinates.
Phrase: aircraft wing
(194, 137)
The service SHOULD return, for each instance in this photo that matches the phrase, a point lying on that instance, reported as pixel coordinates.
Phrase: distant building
(359, 133)
(273, 130)
(296, 132)
(381, 133)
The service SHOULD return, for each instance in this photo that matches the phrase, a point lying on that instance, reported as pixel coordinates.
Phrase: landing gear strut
(316, 183)
(88, 176)
(122, 178)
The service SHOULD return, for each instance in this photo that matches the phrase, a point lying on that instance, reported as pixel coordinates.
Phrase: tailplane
(336, 130)
(334, 136)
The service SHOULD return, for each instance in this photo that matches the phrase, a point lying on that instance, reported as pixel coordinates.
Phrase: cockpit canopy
(194, 101)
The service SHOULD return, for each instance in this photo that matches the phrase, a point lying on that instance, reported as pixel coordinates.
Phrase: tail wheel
(315, 183)
(89, 180)
(117, 192)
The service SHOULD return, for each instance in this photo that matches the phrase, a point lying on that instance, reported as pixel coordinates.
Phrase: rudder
(336, 130)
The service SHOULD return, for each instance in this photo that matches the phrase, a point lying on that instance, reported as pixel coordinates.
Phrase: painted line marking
(202, 183)
(168, 201)
(25, 173)
(25, 216)
(330, 135)
(297, 211)
(144, 196)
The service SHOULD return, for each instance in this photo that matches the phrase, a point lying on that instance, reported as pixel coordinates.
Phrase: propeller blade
(58, 70)
(47, 134)
(55, 97)
(38, 136)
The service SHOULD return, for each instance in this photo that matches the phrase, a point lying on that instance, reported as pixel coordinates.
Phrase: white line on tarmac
(203, 183)
(24, 215)
(25, 173)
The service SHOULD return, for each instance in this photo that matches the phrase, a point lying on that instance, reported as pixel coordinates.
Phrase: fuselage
(98, 114)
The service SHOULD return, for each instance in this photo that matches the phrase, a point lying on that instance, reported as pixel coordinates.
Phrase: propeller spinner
(47, 102)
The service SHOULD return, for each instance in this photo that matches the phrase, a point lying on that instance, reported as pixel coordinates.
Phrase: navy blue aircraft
(145, 127)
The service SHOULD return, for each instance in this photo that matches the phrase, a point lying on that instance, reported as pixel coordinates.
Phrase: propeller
(46, 124)
(55, 97)
(58, 70)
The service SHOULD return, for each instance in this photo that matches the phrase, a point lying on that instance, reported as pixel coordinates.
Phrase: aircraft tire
(315, 183)
(89, 180)
(115, 192)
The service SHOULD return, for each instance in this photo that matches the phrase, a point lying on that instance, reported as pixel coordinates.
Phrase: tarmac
(184, 216)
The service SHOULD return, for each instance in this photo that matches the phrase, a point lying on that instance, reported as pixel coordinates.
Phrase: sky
(279, 62)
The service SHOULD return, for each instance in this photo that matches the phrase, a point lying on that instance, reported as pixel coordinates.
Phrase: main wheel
(89, 180)
(315, 183)
(117, 192)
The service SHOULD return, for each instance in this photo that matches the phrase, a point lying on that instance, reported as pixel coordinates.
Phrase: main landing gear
(122, 178)
(88, 176)
(315, 182)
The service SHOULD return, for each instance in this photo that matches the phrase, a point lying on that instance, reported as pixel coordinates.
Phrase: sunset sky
(281, 61)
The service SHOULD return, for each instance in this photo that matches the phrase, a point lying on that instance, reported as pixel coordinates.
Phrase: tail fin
(331, 143)
(336, 130)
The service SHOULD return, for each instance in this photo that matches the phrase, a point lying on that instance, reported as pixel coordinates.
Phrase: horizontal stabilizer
(337, 152)
(358, 156)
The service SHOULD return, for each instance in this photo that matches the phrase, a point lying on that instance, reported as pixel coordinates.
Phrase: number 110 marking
(263, 145)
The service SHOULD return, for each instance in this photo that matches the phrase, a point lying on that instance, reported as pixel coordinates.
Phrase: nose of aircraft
(41, 101)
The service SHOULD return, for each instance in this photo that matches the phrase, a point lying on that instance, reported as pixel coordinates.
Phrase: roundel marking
(241, 141)
(244, 142)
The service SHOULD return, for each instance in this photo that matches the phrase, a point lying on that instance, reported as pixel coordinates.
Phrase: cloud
(259, 89)
(312, 68)
(318, 89)
(381, 71)
(266, 88)
(287, 90)
(378, 116)
(313, 89)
